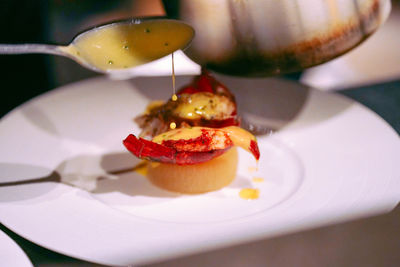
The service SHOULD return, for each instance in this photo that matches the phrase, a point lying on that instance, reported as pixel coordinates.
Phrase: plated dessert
(189, 142)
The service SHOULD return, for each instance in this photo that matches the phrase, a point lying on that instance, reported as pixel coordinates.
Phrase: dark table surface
(373, 241)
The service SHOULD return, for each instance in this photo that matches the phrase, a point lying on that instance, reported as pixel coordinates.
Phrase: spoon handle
(12, 49)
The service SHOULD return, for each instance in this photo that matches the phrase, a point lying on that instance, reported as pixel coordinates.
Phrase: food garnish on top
(205, 121)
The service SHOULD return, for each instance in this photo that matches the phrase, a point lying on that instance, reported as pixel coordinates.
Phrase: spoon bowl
(118, 46)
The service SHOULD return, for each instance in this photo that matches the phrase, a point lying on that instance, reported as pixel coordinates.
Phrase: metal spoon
(141, 40)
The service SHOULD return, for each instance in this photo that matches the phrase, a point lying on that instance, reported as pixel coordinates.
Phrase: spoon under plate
(117, 46)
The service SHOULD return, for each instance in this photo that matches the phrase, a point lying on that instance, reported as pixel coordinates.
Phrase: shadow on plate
(39, 118)
(129, 177)
(97, 174)
(44, 180)
(118, 172)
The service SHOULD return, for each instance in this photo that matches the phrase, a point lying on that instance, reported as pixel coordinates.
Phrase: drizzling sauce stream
(174, 97)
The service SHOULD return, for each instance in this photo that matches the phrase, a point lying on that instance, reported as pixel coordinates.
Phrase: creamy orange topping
(178, 134)
(239, 136)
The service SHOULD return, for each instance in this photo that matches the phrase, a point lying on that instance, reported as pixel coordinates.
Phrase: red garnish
(221, 123)
(208, 140)
(254, 149)
(206, 83)
(149, 150)
(146, 149)
(210, 144)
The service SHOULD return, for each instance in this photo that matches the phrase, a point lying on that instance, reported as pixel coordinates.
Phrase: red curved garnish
(145, 149)
(254, 149)
(206, 83)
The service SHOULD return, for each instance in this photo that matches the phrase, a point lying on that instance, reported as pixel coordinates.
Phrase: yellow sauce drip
(252, 169)
(258, 179)
(141, 168)
(119, 46)
(174, 97)
(249, 193)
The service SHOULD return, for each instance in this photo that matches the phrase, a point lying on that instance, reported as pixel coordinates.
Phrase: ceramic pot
(266, 37)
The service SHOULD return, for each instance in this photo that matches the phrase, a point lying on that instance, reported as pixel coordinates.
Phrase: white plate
(11, 254)
(330, 160)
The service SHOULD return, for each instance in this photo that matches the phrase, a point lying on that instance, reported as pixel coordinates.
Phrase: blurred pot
(266, 37)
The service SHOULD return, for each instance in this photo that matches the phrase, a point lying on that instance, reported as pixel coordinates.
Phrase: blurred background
(58, 21)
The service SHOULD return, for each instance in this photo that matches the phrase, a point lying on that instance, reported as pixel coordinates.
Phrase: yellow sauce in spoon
(126, 45)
